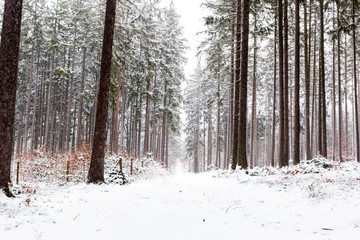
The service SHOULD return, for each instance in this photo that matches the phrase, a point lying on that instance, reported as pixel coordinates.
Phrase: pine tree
(9, 48)
(96, 171)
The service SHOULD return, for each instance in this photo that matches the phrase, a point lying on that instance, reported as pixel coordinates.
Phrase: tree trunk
(322, 93)
(79, 125)
(48, 105)
(357, 144)
(163, 131)
(346, 135)
(272, 156)
(231, 88)
(235, 141)
(122, 120)
(253, 111)
(242, 159)
(9, 57)
(218, 122)
(49, 95)
(339, 82)
(314, 139)
(297, 85)
(96, 171)
(28, 100)
(33, 123)
(210, 137)
(147, 117)
(197, 141)
(71, 94)
(333, 95)
(286, 86)
(307, 85)
(282, 161)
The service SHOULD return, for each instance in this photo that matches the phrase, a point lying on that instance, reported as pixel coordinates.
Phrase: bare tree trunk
(322, 102)
(96, 171)
(314, 142)
(9, 57)
(357, 144)
(28, 100)
(19, 128)
(140, 128)
(346, 136)
(253, 111)
(217, 162)
(48, 105)
(71, 94)
(307, 85)
(197, 141)
(122, 120)
(167, 162)
(339, 83)
(296, 156)
(282, 160)
(272, 156)
(231, 87)
(333, 96)
(210, 138)
(242, 159)
(33, 122)
(164, 123)
(147, 117)
(286, 85)
(79, 125)
(49, 95)
(235, 140)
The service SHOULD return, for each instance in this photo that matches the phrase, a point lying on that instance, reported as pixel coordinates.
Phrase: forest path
(182, 206)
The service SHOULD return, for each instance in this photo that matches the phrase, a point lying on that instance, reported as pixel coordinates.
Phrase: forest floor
(212, 205)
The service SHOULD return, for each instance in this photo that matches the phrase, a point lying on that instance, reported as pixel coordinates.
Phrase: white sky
(192, 15)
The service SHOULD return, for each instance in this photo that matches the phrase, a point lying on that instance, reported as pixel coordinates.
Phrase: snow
(212, 205)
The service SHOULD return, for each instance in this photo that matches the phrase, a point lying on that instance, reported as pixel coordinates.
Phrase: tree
(357, 141)
(96, 171)
(9, 57)
(237, 88)
(282, 161)
(242, 159)
(297, 85)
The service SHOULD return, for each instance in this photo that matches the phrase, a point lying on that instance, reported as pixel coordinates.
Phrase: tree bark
(242, 159)
(282, 161)
(235, 141)
(272, 156)
(322, 93)
(28, 100)
(79, 125)
(307, 84)
(9, 57)
(286, 86)
(147, 116)
(339, 82)
(357, 144)
(253, 111)
(96, 171)
(210, 137)
(297, 85)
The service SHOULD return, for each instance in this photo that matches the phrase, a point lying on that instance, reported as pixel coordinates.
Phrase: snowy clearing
(213, 205)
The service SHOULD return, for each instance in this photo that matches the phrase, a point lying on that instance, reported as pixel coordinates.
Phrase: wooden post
(131, 166)
(67, 170)
(17, 172)
(121, 166)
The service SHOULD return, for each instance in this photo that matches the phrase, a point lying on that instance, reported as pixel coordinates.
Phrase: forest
(290, 96)
(96, 105)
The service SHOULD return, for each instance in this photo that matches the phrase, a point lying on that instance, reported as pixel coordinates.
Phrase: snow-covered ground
(214, 205)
